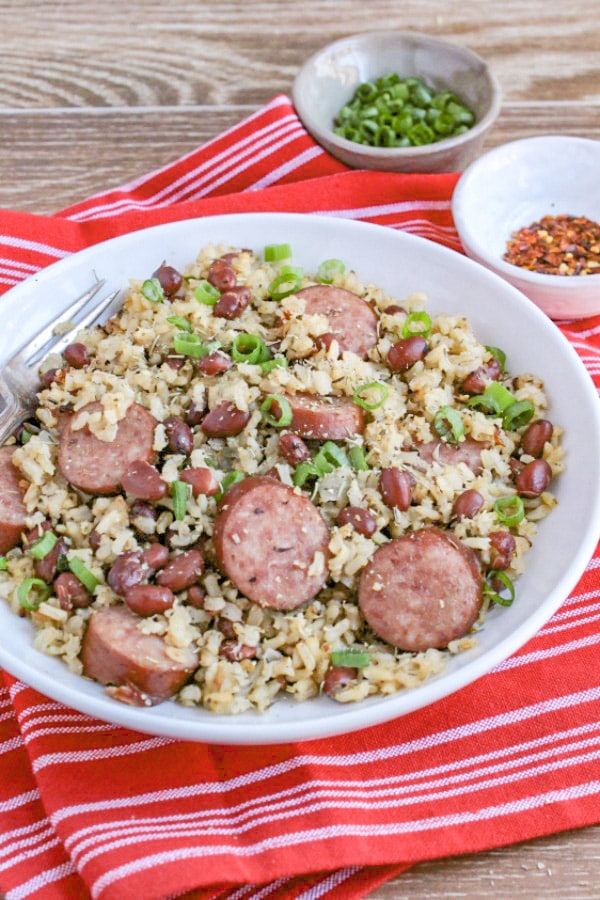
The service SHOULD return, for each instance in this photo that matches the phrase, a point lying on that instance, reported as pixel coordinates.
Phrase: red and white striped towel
(87, 809)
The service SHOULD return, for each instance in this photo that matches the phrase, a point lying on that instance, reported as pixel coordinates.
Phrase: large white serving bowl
(401, 264)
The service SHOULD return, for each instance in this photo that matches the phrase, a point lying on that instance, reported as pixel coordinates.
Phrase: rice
(249, 655)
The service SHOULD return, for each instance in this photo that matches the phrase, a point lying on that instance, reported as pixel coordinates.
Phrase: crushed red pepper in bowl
(557, 245)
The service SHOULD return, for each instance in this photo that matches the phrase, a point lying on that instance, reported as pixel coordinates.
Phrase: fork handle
(12, 412)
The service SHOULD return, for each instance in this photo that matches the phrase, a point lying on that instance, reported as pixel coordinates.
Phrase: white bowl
(329, 78)
(515, 185)
(400, 263)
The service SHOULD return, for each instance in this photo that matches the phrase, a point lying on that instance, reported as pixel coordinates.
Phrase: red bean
(170, 279)
(70, 592)
(406, 352)
(195, 596)
(324, 341)
(221, 275)
(214, 364)
(477, 381)
(182, 571)
(77, 355)
(394, 310)
(156, 555)
(467, 504)
(46, 568)
(235, 652)
(149, 599)
(201, 479)
(396, 488)
(293, 449)
(94, 539)
(337, 678)
(226, 627)
(536, 436)
(51, 375)
(194, 415)
(179, 435)
(362, 520)
(225, 420)
(533, 478)
(502, 548)
(175, 362)
(32, 535)
(128, 569)
(232, 302)
(143, 481)
(142, 510)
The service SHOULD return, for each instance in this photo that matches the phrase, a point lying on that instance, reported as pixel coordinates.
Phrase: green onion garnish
(276, 252)
(498, 354)
(152, 290)
(355, 659)
(190, 345)
(296, 271)
(333, 454)
(322, 465)
(509, 510)
(181, 323)
(278, 361)
(519, 414)
(233, 477)
(417, 323)
(303, 472)
(45, 544)
(249, 348)
(328, 269)
(81, 572)
(3, 564)
(494, 596)
(206, 293)
(180, 494)
(357, 458)
(448, 424)
(485, 403)
(285, 411)
(372, 386)
(26, 436)
(31, 592)
(499, 394)
(283, 285)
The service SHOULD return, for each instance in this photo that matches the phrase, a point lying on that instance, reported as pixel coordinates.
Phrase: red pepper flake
(557, 245)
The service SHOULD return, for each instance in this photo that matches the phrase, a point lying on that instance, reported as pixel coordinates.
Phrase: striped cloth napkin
(88, 809)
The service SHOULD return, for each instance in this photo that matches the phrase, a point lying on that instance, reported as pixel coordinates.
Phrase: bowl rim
(423, 151)
(470, 236)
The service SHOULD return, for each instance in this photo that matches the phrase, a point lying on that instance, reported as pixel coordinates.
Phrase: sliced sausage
(12, 508)
(467, 452)
(325, 418)
(421, 590)
(116, 652)
(272, 543)
(96, 466)
(224, 420)
(351, 320)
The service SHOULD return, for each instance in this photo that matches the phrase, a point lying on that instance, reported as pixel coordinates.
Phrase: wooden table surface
(93, 94)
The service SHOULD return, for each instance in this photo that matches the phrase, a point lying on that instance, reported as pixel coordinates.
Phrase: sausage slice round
(116, 652)
(421, 590)
(351, 320)
(272, 543)
(325, 418)
(467, 452)
(96, 466)
(12, 508)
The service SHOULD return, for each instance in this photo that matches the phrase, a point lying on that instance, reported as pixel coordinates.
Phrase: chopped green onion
(494, 596)
(233, 477)
(190, 345)
(334, 454)
(31, 592)
(485, 403)
(152, 290)
(377, 387)
(417, 323)
(269, 364)
(43, 547)
(276, 252)
(520, 413)
(285, 411)
(499, 394)
(3, 564)
(303, 472)
(249, 348)
(83, 574)
(206, 293)
(356, 455)
(283, 285)
(509, 510)
(26, 436)
(296, 271)
(181, 323)
(180, 495)
(498, 354)
(355, 659)
(328, 269)
(62, 563)
(322, 464)
(448, 424)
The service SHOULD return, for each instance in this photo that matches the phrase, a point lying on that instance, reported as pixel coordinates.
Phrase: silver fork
(19, 379)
